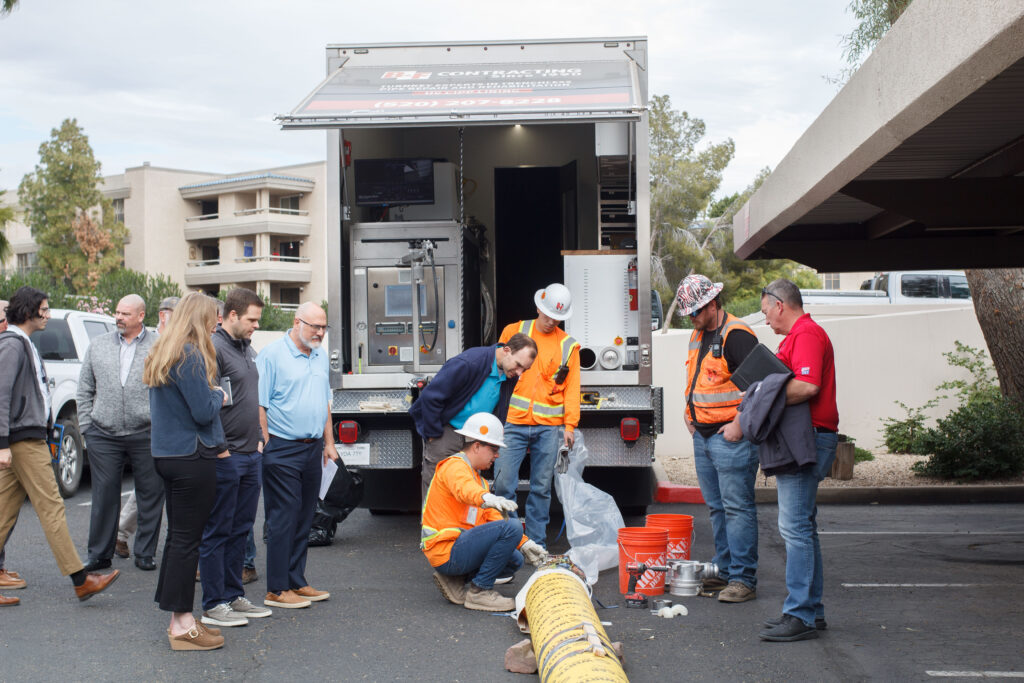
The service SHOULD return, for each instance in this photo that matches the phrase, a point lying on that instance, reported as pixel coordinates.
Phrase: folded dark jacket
(783, 434)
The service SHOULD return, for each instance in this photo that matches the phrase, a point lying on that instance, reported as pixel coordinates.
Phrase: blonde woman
(187, 437)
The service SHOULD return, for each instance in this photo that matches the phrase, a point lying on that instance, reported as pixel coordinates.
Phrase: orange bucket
(647, 545)
(680, 534)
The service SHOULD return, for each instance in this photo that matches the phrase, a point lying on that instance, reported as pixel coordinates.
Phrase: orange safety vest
(714, 397)
(451, 506)
(538, 398)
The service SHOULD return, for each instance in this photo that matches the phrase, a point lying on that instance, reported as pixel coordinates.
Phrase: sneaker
(453, 588)
(285, 599)
(713, 584)
(121, 549)
(249, 575)
(223, 615)
(819, 623)
(196, 638)
(788, 630)
(247, 609)
(737, 592)
(487, 600)
(504, 578)
(311, 594)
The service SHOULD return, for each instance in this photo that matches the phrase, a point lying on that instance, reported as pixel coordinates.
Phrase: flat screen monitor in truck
(392, 182)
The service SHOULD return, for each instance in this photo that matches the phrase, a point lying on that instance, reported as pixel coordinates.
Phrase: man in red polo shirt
(807, 351)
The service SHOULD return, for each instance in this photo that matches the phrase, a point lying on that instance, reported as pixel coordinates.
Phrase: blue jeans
(486, 552)
(798, 527)
(222, 551)
(727, 471)
(291, 484)
(543, 442)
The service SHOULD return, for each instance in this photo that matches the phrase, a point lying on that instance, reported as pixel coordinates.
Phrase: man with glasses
(807, 351)
(295, 419)
(465, 534)
(726, 462)
(475, 381)
(25, 468)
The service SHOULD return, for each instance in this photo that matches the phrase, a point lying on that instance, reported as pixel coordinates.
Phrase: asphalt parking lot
(912, 593)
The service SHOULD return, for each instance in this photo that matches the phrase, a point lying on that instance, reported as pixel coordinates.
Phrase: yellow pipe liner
(570, 644)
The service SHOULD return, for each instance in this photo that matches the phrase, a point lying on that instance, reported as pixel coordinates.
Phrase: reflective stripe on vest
(523, 403)
(427, 533)
(714, 397)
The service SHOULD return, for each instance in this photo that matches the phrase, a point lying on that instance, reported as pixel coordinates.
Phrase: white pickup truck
(62, 347)
(899, 287)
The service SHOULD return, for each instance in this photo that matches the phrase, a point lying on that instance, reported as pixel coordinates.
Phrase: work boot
(453, 588)
(487, 600)
(713, 584)
(737, 592)
(819, 622)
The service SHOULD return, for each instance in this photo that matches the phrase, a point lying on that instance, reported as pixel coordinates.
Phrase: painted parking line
(922, 585)
(921, 533)
(976, 674)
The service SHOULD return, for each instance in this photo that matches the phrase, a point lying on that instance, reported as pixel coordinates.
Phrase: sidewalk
(667, 492)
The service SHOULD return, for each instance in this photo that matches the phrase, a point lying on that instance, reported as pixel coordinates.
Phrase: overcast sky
(195, 85)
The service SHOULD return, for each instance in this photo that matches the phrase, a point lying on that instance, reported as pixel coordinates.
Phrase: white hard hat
(483, 427)
(554, 301)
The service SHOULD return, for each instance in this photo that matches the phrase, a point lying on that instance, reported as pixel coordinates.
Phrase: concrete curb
(667, 492)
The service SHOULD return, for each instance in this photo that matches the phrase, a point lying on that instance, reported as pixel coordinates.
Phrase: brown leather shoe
(95, 583)
(121, 549)
(311, 594)
(249, 575)
(195, 639)
(286, 600)
(11, 580)
(5, 601)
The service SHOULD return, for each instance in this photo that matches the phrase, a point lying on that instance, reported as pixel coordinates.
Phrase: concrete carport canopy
(458, 84)
(917, 161)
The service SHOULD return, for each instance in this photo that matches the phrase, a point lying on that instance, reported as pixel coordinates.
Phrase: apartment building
(262, 229)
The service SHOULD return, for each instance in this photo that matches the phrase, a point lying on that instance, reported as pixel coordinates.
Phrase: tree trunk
(998, 296)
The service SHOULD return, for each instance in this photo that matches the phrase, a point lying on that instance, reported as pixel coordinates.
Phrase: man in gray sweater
(113, 414)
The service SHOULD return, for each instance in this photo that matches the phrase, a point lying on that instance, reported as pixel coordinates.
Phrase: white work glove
(533, 553)
(499, 503)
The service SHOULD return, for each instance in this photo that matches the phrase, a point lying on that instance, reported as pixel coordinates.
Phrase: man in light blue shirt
(295, 417)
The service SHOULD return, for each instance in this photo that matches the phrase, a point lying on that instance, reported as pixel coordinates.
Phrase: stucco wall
(883, 354)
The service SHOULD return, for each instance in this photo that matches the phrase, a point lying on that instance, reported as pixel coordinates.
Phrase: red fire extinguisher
(631, 272)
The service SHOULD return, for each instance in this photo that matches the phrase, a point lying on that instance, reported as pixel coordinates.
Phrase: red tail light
(348, 431)
(629, 429)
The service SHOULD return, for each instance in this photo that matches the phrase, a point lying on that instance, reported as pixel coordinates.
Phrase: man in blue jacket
(472, 382)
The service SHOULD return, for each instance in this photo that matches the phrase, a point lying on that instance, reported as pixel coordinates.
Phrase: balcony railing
(256, 259)
(271, 268)
(266, 220)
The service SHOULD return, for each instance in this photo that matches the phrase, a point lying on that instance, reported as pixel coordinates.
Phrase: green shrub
(983, 439)
(904, 436)
(862, 454)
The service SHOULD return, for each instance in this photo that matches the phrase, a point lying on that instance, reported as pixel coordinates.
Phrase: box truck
(463, 177)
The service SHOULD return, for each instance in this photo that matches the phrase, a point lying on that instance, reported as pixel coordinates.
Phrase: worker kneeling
(465, 536)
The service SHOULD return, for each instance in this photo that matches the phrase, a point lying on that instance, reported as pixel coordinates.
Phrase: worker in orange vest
(726, 462)
(545, 400)
(464, 533)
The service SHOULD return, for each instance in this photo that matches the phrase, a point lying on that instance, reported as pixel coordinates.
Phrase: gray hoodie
(22, 406)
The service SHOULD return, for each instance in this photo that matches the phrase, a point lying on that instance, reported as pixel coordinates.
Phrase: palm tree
(7, 7)
(6, 214)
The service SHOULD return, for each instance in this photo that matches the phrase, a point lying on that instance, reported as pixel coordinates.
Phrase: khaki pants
(30, 474)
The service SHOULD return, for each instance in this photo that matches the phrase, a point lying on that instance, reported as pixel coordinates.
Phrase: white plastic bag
(592, 519)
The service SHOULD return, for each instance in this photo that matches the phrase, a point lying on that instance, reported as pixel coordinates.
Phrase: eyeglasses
(765, 292)
(316, 328)
(694, 314)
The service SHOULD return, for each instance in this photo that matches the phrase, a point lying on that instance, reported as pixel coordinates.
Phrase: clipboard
(758, 364)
